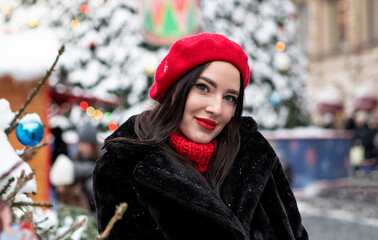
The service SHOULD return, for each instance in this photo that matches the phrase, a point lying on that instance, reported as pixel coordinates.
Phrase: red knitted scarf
(200, 154)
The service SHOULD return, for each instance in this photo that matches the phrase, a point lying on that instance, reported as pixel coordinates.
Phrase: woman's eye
(202, 87)
(230, 98)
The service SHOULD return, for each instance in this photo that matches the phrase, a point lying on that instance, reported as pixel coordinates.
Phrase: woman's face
(210, 103)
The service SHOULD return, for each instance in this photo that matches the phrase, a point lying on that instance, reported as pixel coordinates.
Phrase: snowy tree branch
(72, 229)
(11, 169)
(34, 204)
(32, 150)
(6, 186)
(13, 123)
(120, 210)
(21, 181)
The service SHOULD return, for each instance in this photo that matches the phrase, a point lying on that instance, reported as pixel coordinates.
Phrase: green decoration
(170, 27)
(191, 19)
(148, 23)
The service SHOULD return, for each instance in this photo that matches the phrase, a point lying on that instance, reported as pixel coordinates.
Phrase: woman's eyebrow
(215, 85)
(209, 81)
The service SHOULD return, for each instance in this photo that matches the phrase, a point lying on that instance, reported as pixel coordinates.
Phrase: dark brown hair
(154, 126)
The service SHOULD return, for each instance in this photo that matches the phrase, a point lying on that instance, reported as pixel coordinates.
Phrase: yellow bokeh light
(6, 10)
(100, 1)
(33, 23)
(98, 114)
(75, 23)
(90, 111)
(280, 46)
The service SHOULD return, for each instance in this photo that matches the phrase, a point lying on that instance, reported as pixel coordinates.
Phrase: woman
(192, 167)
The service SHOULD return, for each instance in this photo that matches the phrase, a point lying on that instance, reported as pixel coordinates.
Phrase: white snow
(70, 137)
(10, 159)
(31, 117)
(308, 209)
(27, 55)
(59, 121)
(77, 234)
(39, 215)
(6, 114)
(312, 132)
(282, 61)
(367, 90)
(68, 222)
(331, 95)
(266, 32)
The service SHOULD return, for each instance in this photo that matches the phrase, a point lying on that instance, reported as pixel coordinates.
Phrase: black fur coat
(169, 200)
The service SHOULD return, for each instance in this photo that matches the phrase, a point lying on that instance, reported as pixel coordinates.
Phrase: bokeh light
(75, 23)
(90, 111)
(6, 10)
(108, 116)
(280, 46)
(98, 114)
(84, 105)
(84, 9)
(33, 23)
(113, 126)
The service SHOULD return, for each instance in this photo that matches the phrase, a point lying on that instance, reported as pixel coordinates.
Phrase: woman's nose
(215, 106)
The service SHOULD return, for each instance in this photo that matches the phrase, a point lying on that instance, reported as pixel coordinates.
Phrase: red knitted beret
(192, 51)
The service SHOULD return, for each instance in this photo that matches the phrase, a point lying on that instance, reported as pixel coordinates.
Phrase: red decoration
(84, 9)
(113, 126)
(92, 46)
(365, 103)
(84, 105)
(329, 107)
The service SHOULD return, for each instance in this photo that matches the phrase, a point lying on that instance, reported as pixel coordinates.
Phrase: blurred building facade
(340, 38)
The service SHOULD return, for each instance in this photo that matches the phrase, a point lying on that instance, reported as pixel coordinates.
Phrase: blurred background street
(346, 209)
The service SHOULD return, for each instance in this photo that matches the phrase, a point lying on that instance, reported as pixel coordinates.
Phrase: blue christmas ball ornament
(29, 133)
(275, 98)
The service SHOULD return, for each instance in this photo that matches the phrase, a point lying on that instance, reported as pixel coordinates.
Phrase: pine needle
(6, 187)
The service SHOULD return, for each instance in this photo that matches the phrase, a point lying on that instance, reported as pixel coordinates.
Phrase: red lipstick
(206, 123)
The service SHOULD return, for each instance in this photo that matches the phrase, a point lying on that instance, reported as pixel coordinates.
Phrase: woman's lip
(206, 123)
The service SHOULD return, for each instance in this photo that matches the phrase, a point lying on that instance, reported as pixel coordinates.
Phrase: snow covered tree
(266, 29)
(20, 216)
(108, 58)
